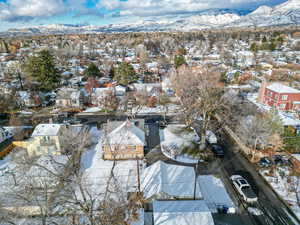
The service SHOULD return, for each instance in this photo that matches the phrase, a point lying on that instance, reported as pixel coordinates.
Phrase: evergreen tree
(125, 74)
(179, 60)
(254, 47)
(264, 40)
(42, 69)
(92, 71)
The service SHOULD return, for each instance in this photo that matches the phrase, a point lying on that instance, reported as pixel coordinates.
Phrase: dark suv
(218, 150)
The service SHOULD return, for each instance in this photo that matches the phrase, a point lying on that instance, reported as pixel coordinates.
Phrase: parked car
(279, 160)
(218, 150)
(264, 162)
(243, 188)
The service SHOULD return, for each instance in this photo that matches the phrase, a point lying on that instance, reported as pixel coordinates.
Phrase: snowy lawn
(286, 185)
(97, 172)
(177, 141)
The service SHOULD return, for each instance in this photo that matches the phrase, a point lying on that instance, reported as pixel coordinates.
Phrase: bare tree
(199, 94)
(259, 131)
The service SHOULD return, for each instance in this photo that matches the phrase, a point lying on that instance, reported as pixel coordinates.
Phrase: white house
(69, 97)
(46, 139)
(99, 95)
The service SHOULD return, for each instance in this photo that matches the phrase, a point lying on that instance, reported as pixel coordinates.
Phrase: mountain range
(287, 13)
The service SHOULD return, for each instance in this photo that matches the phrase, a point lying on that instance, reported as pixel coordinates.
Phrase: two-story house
(46, 139)
(124, 140)
(280, 96)
(70, 97)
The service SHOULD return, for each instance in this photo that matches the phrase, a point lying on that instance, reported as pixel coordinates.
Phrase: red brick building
(280, 97)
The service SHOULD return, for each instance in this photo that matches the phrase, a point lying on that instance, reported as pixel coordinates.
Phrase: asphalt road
(274, 210)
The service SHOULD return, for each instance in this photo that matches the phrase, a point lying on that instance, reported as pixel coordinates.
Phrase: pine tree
(254, 47)
(179, 60)
(125, 74)
(92, 71)
(42, 69)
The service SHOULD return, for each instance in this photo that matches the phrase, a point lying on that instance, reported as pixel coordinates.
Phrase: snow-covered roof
(126, 134)
(281, 88)
(146, 86)
(4, 134)
(214, 192)
(181, 213)
(47, 130)
(296, 156)
(165, 181)
(288, 119)
(101, 92)
(24, 95)
(67, 93)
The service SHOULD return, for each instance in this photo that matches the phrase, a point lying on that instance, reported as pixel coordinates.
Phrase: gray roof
(47, 130)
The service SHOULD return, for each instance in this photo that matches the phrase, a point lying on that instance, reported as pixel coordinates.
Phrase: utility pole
(138, 175)
(195, 184)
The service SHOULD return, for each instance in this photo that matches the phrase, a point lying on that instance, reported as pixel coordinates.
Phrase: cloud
(163, 7)
(24, 10)
(15, 10)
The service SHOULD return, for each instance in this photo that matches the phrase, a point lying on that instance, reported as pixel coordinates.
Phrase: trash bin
(225, 209)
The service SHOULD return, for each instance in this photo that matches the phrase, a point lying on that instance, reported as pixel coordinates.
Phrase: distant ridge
(287, 13)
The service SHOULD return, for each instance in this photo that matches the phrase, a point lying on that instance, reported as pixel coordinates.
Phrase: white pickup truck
(243, 188)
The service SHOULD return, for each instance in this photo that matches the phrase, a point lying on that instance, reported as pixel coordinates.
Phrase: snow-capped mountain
(287, 13)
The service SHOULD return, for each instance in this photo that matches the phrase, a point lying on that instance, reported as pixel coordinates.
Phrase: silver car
(243, 188)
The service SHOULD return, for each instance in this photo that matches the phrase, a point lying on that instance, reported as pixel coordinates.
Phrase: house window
(284, 97)
(282, 106)
(46, 138)
(269, 93)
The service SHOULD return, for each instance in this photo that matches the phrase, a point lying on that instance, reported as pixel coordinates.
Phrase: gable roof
(47, 130)
(281, 88)
(167, 180)
(126, 134)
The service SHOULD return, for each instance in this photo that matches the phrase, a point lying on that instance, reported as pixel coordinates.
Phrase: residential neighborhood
(151, 128)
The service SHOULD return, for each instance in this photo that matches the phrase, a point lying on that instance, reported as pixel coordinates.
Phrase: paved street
(275, 211)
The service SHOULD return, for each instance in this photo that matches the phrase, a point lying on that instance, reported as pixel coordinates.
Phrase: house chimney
(262, 91)
(51, 120)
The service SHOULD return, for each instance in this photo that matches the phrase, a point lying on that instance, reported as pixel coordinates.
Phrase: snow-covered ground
(174, 138)
(286, 186)
(92, 110)
(97, 172)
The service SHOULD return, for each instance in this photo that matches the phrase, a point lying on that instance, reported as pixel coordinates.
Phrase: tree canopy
(41, 68)
(92, 71)
(125, 74)
(179, 60)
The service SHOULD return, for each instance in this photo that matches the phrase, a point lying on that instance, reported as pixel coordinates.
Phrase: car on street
(218, 150)
(243, 188)
(280, 160)
(264, 162)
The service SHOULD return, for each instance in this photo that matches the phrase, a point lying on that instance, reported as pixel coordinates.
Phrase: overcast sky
(25, 13)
